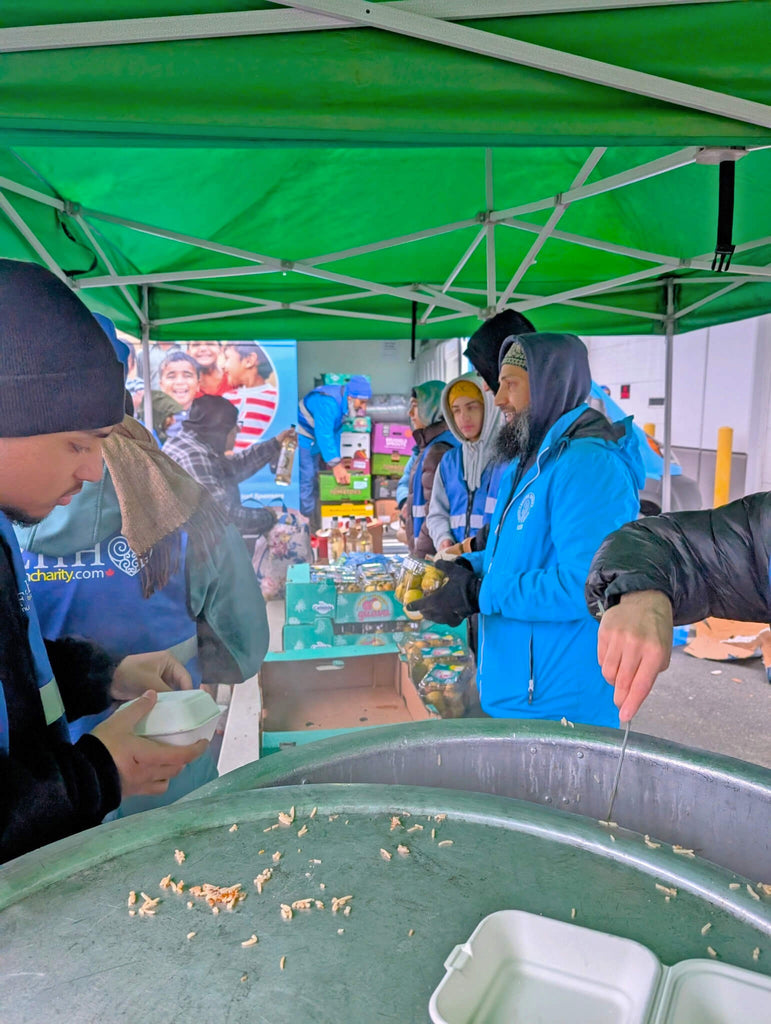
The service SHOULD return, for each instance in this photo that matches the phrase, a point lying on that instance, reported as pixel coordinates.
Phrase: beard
(513, 441)
(21, 518)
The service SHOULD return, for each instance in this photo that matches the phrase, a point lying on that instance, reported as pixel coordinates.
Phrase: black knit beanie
(58, 370)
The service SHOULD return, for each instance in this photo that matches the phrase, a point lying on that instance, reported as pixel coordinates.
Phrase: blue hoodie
(578, 483)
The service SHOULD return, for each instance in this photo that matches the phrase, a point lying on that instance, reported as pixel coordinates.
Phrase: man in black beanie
(61, 392)
(199, 448)
(485, 343)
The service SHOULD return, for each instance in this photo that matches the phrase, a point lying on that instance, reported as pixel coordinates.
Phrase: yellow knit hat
(464, 389)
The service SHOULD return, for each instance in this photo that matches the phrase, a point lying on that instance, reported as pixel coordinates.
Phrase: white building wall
(721, 377)
(386, 362)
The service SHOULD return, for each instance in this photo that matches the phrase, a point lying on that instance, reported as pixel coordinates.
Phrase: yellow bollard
(650, 429)
(725, 439)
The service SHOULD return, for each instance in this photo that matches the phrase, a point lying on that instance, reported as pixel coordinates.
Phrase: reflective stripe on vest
(465, 522)
(305, 420)
(476, 521)
(305, 414)
(53, 707)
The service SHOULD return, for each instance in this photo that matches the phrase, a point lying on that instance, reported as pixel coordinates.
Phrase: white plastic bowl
(180, 717)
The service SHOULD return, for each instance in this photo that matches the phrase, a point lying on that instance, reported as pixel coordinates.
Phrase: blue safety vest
(469, 510)
(53, 708)
(306, 424)
(97, 594)
(419, 507)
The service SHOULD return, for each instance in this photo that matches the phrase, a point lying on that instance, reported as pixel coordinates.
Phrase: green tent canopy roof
(258, 170)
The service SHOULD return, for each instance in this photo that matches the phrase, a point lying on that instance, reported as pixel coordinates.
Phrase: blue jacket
(538, 643)
(321, 415)
(577, 481)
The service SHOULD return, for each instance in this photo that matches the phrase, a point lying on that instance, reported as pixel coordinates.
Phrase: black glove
(479, 540)
(456, 600)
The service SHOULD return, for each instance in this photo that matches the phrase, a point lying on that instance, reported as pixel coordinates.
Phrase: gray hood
(477, 455)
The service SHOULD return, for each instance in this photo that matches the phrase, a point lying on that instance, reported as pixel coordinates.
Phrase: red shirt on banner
(221, 389)
(256, 408)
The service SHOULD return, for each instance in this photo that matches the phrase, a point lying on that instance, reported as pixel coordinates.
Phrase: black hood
(559, 378)
(485, 343)
(211, 419)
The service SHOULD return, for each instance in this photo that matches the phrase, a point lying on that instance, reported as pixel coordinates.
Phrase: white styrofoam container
(180, 717)
(520, 968)
(708, 992)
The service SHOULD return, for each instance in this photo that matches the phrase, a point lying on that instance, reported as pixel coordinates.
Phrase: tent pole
(492, 276)
(146, 374)
(666, 479)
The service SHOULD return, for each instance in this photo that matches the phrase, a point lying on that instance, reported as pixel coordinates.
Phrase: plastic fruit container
(180, 717)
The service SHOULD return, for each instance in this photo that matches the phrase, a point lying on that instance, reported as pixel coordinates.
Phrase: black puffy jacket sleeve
(713, 562)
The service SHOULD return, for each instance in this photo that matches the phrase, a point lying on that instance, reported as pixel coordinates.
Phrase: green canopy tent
(339, 169)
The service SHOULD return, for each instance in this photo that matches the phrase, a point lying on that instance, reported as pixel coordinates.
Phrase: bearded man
(572, 477)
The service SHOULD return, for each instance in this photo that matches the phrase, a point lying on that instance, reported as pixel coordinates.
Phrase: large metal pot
(716, 805)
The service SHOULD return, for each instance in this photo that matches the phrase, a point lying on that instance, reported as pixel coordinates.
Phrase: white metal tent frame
(433, 21)
(449, 303)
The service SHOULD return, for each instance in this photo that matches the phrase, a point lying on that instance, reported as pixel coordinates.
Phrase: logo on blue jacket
(525, 508)
(122, 557)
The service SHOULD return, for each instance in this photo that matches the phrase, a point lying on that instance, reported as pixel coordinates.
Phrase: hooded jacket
(465, 488)
(538, 644)
(431, 442)
(85, 582)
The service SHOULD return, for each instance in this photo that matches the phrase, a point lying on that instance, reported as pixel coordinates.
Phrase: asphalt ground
(721, 706)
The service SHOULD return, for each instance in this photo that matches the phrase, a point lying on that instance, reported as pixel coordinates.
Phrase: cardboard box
(310, 696)
(356, 448)
(340, 378)
(305, 601)
(357, 424)
(368, 607)
(729, 640)
(312, 636)
(386, 510)
(384, 488)
(344, 511)
(389, 465)
(353, 442)
(359, 489)
(392, 438)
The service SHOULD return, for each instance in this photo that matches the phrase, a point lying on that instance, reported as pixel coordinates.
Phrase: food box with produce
(359, 489)
(392, 438)
(306, 599)
(389, 465)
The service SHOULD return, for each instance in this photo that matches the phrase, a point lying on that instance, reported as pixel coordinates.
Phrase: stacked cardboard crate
(355, 498)
(317, 615)
(391, 449)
